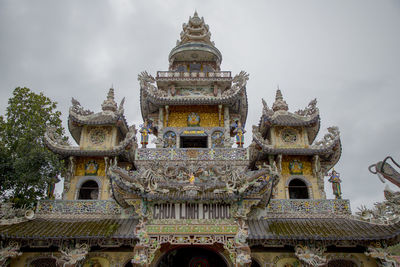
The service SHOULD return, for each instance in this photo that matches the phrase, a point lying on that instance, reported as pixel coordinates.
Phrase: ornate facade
(199, 197)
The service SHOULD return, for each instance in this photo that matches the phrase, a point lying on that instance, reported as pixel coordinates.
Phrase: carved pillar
(9, 252)
(160, 120)
(69, 174)
(382, 258)
(311, 255)
(219, 115)
(166, 116)
(279, 163)
(316, 169)
(173, 91)
(227, 142)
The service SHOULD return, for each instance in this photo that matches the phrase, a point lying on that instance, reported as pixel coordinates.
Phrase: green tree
(27, 167)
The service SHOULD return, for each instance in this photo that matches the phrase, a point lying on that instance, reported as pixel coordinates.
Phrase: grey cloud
(344, 53)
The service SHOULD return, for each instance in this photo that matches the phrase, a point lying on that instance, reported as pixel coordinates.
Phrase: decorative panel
(178, 116)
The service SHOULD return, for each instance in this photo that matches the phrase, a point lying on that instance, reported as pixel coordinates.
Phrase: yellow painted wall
(277, 141)
(108, 140)
(80, 174)
(286, 175)
(178, 116)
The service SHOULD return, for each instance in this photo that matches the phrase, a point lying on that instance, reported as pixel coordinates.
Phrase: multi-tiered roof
(328, 148)
(111, 115)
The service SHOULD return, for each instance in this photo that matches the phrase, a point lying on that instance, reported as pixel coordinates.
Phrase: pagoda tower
(199, 197)
(194, 103)
(287, 140)
(103, 138)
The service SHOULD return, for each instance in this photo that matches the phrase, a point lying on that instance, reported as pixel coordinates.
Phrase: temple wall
(178, 116)
(305, 173)
(98, 137)
(277, 139)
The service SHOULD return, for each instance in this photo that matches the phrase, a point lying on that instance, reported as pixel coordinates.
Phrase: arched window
(43, 262)
(254, 263)
(341, 263)
(298, 189)
(89, 190)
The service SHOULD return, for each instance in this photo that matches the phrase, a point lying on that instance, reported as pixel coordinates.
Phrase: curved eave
(328, 161)
(76, 121)
(176, 100)
(147, 98)
(312, 124)
(324, 150)
(290, 119)
(124, 149)
(245, 107)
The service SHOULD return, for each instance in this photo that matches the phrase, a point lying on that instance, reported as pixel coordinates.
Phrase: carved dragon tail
(385, 170)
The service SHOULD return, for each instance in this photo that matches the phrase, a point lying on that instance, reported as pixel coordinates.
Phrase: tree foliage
(27, 167)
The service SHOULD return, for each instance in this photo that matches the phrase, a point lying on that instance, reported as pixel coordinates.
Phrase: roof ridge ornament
(310, 110)
(109, 103)
(279, 103)
(195, 31)
(78, 109)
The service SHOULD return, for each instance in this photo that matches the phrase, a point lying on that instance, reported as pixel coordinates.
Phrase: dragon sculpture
(388, 211)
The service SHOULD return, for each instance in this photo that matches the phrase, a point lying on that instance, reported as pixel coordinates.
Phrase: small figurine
(335, 180)
(191, 178)
(145, 131)
(239, 131)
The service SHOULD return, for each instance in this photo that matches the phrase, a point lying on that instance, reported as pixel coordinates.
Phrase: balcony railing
(191, 154)
(103, 207)
(337, 206)
(175, 74)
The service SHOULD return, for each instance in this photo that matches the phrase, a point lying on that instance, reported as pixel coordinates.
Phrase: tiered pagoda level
(199, 197)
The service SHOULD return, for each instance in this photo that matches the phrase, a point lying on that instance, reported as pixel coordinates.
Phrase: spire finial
(279, 103)
(109, 103)
(195, 31)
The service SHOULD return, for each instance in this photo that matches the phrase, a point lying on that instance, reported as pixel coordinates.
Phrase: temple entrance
(192, 257)
(194, 141)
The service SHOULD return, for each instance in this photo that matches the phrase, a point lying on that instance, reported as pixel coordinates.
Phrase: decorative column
(160, 119)
(166, 115)
(227, 141)
(219, 115)
(69, 174)
(9, 252)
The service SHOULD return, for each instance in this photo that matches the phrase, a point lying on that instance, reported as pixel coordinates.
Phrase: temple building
(198, 197)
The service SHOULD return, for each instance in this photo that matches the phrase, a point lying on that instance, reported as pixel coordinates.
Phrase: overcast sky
(344, 53)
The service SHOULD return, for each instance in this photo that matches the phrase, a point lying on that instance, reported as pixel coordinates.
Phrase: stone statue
(145, 131)
(239, 134)
(335, 180)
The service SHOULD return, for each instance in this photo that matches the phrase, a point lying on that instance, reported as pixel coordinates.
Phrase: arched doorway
(89, 190)
(298, 189)
(192, 257)
(254, 263)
